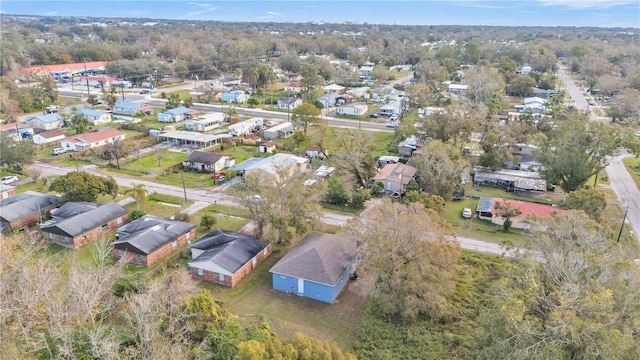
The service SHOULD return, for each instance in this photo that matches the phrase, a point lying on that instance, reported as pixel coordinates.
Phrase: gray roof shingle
(26, 203)
(149, 233)
(229, 250)
(204, 157)
(83, 222)
(318, 257)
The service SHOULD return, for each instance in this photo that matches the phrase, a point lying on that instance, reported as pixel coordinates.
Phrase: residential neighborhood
(318, 189)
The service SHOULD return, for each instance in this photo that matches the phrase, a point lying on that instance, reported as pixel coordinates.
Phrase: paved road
(619, 178)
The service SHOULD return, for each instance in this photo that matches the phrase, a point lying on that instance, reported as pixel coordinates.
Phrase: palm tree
(139, 193)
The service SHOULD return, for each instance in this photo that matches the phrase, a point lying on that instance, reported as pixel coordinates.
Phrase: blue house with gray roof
(174, 115)
(95, 117)
(130, 108)
(318, 267)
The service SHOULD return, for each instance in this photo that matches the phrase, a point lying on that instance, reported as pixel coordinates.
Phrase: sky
(599, 13)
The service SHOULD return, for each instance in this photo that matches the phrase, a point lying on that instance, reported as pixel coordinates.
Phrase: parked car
(145, 91)
(391, 124)
(8, 179)
(373, 116)
(58, 151)
(466, 213)
(51, 109)
(219, 175)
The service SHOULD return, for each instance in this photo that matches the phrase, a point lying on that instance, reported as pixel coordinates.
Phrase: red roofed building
(487, 210)
(92, 140)
(66, 69)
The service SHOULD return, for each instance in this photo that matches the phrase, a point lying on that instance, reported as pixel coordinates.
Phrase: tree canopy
(83, 186)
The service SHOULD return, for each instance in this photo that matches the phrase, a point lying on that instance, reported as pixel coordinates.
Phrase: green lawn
(242, 152)
(148, 165)
(160, 205)
(633, 166)
(253, 300)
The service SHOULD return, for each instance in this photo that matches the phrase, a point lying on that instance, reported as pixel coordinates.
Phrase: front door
(300, 286)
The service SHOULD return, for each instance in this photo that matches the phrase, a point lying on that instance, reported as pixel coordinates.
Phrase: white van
(58, 151)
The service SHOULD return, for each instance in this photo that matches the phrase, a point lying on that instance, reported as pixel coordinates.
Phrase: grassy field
(633, 166)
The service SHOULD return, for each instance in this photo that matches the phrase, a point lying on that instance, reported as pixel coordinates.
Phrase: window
(188, 235)
(138, 257)
(200, 272)
(266, 251)
(174, 243)
(120, 220)
(254, 261)
(120, 253)
(105, 226)
(221, 277)
(50, 236)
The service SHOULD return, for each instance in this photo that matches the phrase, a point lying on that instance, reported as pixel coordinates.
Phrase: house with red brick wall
(224, 257)
(150, 238)
(7, 191)
(77, 223)
(25, 209)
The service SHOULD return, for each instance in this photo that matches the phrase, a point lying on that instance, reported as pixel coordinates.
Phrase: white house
(430, 110)
(390, 108)
(365, 72)
(17, 131)
(130, 108)
(293, 87)
(283, 130)
(329, 100)
(48, 137)
(458, 88)
(289, 103)
(45, 122)
(92, 140)
(205, 122)
(95, 117)
(352, 109)
(525, 70)
(173, 115)
(234, 97)
(245, 127)
(358, 91)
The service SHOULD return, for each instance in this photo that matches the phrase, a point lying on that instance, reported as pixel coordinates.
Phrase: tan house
(395, 177)
(75, 223)
(150, 238)
(224, 257)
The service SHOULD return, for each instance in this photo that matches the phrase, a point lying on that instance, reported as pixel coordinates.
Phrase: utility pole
(184, 187)
(120, 82)
(86, 76)
(74, 160)
(624, 218)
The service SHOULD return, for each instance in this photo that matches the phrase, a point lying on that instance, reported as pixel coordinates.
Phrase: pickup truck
(52, 109)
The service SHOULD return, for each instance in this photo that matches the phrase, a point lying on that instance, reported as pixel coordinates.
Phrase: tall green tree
(415, 261)
(139, 193)
(440, 168)
(83, 186)
(577, 298)
(305, 115)
(592, 201)
(579, 149)
(78, 122)
(15, 154)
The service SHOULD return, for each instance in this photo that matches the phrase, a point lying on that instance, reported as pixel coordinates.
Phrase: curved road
(619, 178)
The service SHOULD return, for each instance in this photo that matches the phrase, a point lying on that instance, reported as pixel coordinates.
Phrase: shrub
(207, 221)
(136, 214)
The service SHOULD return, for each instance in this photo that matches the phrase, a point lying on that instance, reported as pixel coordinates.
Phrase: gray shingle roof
(229, 250)
(26, 203)
(80, 223)
(318, 257)
(71, 209)
(204, 157)
(149, 233)
(485, 204)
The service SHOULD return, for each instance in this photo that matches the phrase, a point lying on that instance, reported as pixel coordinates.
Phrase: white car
(391, 124)
(466, 213)
(8, 179)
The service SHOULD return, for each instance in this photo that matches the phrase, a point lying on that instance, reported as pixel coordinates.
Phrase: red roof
(269, 144)
(97, 136)
(51, 134)
(313, 148)
(527, 208)
(11, 126)
(64, 67)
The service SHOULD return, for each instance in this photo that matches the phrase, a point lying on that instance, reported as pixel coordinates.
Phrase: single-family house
(283, 130)
(359, 92)
(204, 161)
(352, 109)
(318, 267)
(343, 99)
(48, 137)
(293, 87)
(365, 73)
(387, 159)
(45, 122)
(391, 108)
(24, 209)
(328, 100)
(289, 103)
(268, 147)
(225, 257)
(204, 122)
(486, 210)
(524, 70)
(516, 181)
(408, 145)
(273, 167)
(150, 238)
(131, 108)
(313, 152)
(235, 97)
(174, 115)
(333, 88)
(458, 89)
(430, 110)
(95, 117)
(75, 223)
(92, 140)
(7, 191)
(230, 80)
(245, 127)
(395, 177)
